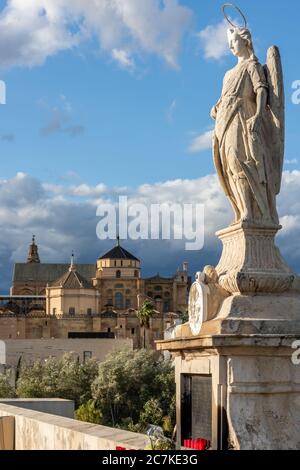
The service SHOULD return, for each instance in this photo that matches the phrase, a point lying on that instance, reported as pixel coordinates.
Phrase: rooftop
(72, 279)
(48, 273)
(119, 253)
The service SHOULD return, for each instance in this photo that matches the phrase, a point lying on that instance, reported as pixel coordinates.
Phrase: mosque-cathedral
(90, 300)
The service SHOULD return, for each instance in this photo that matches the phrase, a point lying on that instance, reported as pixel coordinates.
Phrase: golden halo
(226, 5)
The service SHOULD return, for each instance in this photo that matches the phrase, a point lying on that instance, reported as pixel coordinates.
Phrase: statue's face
(238, 45)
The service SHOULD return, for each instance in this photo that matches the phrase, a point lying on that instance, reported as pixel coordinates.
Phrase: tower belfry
(33, 252)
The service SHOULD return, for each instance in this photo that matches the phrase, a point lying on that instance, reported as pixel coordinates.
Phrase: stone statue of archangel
(239, 295)
(249, 132)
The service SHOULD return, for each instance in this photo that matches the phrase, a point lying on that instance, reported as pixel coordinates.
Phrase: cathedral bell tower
(33, 252)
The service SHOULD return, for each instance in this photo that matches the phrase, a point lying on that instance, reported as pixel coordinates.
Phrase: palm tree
(144, 314)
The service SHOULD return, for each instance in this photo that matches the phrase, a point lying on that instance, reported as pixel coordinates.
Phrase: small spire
(118, 240)
(33, 253)
(72, 265)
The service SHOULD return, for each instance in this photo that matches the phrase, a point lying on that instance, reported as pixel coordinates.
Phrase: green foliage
(89, 413)
(168, 425)
(129, 390)
(6, 390)
(60, 378)
(145, 313)
(134, 386)
(162, 443)
(30, 382)
(152, 413)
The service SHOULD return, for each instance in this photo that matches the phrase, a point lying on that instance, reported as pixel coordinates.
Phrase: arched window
(118, 274)
(136, 273)
(119, 300)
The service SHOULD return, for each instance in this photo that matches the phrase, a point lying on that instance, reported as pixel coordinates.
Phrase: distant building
(31, 350)
(86, 300)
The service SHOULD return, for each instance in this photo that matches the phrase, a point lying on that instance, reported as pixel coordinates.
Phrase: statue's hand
(255, 124)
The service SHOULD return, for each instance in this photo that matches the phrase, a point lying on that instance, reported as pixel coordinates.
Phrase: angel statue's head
(240, 43)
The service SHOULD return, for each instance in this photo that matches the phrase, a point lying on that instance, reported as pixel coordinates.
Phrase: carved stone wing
(274, 74)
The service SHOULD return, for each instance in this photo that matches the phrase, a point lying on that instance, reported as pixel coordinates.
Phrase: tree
(151, 414)
(6, 389)
(89, 413)
(128, 381)
(29, 383)
(58, 378)
(144, 314)
(129, 390)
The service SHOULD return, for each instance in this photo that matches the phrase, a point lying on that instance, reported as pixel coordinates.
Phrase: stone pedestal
(250, 262)
(247, 318)
(253, 314)
(255, 399)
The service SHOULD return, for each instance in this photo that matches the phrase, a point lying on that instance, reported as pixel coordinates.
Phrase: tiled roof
(48, 273)
(72, 280)
(119, 253)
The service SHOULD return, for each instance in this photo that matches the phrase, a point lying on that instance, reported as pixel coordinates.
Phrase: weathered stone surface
(263, 403)
(249, 132)
(251, 263)
(259, 384)
(265, 314)
(41, 431)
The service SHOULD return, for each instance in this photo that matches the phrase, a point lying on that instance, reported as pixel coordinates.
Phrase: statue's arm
(261, 103)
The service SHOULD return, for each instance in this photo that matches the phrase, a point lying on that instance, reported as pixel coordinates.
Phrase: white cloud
(123, 58)
(81, 190)
(214, 40)
(201, 142)
(64, 218)
(33, 30)
(84, 190)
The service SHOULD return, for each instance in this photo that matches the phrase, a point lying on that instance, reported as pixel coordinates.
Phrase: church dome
(119, 253)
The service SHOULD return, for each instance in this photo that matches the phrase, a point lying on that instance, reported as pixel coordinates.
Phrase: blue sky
(129, 136)
(121, 108)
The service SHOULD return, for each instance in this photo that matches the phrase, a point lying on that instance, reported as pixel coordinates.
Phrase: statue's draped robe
(235, 110)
